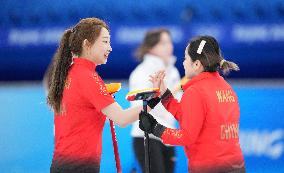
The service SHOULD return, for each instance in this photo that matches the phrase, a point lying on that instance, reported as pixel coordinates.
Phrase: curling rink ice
(26, 129)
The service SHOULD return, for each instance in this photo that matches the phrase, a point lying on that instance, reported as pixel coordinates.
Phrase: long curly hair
(70, 44)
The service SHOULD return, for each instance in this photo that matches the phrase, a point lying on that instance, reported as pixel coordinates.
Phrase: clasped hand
(147, 122)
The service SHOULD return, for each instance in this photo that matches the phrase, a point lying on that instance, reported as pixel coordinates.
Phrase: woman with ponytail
(79, 98)
(208, 113)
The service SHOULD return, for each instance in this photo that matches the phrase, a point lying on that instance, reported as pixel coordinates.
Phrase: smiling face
(99, 51)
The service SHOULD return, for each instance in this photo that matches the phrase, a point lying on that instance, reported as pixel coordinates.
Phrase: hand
(147, 122)
(157, 80)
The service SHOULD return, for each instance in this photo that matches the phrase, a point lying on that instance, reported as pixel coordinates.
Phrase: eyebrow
(106, 37)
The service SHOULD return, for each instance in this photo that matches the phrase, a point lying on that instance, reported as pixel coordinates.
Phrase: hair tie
(73, 30)
(200, 47)
(222, 62)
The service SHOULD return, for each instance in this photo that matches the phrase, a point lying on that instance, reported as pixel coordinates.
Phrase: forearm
(171, 136)
(172, 105)
(130, 115)
(149, 124)
(122, 117)
(175, 137)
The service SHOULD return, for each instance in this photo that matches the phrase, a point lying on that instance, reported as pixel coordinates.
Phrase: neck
(86, 57)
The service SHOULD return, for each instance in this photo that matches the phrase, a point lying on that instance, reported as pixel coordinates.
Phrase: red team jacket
(208, 114)
(79, 125)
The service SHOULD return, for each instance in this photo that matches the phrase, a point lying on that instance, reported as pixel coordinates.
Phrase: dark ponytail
(227, 66)
(60, 66)
(210, 55)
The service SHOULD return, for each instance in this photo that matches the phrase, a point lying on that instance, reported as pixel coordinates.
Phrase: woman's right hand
(157, 80)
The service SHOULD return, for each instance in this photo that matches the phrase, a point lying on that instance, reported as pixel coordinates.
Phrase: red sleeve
(94, 89)
(175, 137)
(173, 106)
(191, 121)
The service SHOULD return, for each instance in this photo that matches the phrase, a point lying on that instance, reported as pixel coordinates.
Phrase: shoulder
(193, 93)
(80, 71)
(86, 77)
(192, 90)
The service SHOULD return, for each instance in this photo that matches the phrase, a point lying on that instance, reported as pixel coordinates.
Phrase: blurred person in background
(208, 113)
(79, 98)
(155, 53)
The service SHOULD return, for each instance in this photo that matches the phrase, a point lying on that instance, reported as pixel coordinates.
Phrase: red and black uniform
(79, 125)
(208, 114)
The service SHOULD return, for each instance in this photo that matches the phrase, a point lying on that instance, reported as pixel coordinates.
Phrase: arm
(193, 108)
(149, 124)
(168, 101)
(171, 104)
(122, 117)
(93, 89)
(191, 123)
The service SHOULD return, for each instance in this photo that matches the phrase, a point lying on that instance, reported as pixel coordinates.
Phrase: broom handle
(115, 147)
(146, 144)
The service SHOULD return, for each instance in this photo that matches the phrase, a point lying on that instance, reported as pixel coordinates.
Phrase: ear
(197, 64)
(86, 43)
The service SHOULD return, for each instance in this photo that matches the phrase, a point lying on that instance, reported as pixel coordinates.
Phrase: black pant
(240, 170)
(162, 158)
(74, 167)
(220, 170)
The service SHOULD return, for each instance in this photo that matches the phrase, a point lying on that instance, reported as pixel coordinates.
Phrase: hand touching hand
(157, 80)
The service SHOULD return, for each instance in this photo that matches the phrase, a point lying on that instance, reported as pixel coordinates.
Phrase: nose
(110, 49)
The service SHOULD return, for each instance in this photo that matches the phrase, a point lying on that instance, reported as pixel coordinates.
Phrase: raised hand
(157, 80)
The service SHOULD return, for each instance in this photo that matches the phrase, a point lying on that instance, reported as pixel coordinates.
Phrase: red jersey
(79, 125)
(208, 114)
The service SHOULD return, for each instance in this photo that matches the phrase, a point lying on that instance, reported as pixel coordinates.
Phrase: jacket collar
(201, 76)
(85, 62)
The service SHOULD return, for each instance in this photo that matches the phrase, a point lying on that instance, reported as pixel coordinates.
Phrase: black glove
(149, 124)
(167, 94)
(153, 102)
